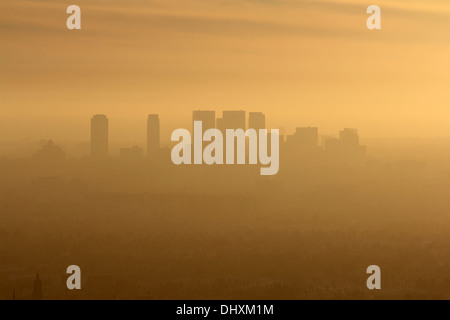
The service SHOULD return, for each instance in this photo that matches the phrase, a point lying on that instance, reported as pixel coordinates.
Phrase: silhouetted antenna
(37, 290)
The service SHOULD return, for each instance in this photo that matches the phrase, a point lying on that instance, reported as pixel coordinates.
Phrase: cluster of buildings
(229, 120)
(305, 143)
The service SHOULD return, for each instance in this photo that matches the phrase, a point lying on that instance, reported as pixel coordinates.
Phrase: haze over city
(87, 178)
(303, 62)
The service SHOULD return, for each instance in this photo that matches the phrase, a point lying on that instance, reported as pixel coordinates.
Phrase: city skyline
(305, 142)
(303, 63)
(224, 150)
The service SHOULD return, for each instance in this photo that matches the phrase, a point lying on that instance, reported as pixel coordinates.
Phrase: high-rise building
(346, 149)
(208, 119)
(324, 140)
(305, 138)
(256, 120)
(99, 136)
(349, 138)
(232, 120)
(153, 135)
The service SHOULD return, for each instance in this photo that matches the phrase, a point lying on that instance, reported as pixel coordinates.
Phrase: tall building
(256, 120)
(349, 138)
(324, 140)
(208, 119)
(346, 149)
(99, 136)
(153, 135)
(231, 120)
(305, 138)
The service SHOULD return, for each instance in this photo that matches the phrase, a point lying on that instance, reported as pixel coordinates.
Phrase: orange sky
(302, 62)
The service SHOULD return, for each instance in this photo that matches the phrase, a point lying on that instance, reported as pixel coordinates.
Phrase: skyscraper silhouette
(231, 120)
(256, 120)
(208, 119)
(349, 138)
(99, 136)
(305, 138)
(346, 149)
(153, 136)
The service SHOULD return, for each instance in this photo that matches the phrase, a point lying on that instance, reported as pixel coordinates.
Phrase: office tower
(232, 120)
(305, 138)
(349, 138)
(346, 149)
(256, 120)
(332, 147)
(99, 137)
(208, 119)
(153, 135)
(324, 140)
